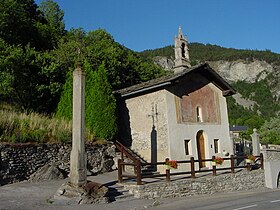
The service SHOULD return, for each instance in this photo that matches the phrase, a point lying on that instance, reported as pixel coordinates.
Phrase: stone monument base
(92, 192)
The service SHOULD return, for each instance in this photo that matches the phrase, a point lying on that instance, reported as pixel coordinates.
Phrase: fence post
(214, 166)
(122, 157)
(192, 168)
(261, 157)
(120, 178)
(167, 171)
(232, 163)
(138, 172)
(168, 175)
(248, 166)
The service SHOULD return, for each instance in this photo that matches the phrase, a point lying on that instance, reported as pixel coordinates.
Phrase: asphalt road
(36, 196)
(251, 200)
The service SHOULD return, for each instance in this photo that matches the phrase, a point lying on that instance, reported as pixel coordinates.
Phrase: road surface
(251, 200)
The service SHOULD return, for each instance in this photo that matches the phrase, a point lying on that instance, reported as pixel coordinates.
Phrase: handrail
(129, 153)
(124, 150)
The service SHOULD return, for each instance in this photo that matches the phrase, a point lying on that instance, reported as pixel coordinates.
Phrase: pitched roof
(238, 128)
(162, 82)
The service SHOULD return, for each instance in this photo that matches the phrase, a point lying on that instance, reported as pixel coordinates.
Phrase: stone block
(272, 173)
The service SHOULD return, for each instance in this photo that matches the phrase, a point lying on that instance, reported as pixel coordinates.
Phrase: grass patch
(18, 127)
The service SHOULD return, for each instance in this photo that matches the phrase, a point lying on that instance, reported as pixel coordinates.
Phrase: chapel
(178, 116)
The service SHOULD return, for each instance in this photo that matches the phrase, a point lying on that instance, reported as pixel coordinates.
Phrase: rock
(48, 172)
(92, 192)
(156, 203)
(242, 70)
(107, 165)
(164, 62)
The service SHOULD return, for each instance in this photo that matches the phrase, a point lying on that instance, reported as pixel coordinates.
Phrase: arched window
(199, 114)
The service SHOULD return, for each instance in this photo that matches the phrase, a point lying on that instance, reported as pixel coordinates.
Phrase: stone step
(116, 195)
(148, 172)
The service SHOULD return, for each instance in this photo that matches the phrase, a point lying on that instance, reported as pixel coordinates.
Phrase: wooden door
(200, 148)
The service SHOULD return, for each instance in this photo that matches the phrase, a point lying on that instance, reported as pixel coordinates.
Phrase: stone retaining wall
(271, 154)
(19, 161)
(243, 180)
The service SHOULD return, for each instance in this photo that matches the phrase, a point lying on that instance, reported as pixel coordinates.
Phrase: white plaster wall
(141, 123)
(177, 133)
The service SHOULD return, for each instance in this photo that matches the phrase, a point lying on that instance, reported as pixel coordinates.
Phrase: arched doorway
(200, 148)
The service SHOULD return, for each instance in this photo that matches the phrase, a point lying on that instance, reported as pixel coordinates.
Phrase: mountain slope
(254, 74)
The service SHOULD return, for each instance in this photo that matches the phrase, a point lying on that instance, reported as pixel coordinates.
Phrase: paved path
(27, 195)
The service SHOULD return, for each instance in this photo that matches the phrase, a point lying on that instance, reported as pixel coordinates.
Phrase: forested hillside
(36, 53)
(201, 52)
(37, 57)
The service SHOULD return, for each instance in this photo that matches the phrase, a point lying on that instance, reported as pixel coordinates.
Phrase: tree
(54, 17)
(101, 104)
(53, 14)
(18, 19)
(270, 131)
(30, 79)
(65, 105)
(71, 49)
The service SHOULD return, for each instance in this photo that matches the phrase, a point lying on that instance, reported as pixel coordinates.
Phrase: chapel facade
(177, 116)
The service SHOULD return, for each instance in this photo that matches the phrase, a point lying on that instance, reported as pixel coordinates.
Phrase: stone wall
(19, 161)
(243, 180)
(271, 154)
(148, 125)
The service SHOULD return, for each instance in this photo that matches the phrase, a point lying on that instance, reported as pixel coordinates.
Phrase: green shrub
(270, 131)
(100, 104)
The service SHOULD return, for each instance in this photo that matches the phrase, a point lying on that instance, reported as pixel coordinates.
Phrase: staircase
(130, 156)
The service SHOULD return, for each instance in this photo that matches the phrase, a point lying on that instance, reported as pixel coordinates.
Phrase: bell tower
(182, 59)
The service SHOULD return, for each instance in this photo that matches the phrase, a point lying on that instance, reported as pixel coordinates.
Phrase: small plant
(218, 160)
(172, 164)
(251, 157)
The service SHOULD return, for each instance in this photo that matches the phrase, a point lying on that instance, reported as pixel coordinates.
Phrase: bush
(100, 106)
(270, 131)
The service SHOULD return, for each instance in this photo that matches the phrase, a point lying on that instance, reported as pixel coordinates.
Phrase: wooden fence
(138, 175)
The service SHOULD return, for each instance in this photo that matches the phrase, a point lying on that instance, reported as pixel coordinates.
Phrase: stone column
(232, 143)
(78, 155)
(256, 142)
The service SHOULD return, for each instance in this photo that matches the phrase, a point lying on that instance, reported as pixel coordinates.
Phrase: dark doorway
(154, 147)
(200, 148)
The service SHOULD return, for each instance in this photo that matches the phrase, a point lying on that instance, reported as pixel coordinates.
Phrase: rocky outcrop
(239, 70)
(232, 71)
(247, 103)
(250, 72)
(164, 62)
(50, 171)
(242, 70)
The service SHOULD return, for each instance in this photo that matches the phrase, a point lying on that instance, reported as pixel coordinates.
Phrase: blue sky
(150, 24)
